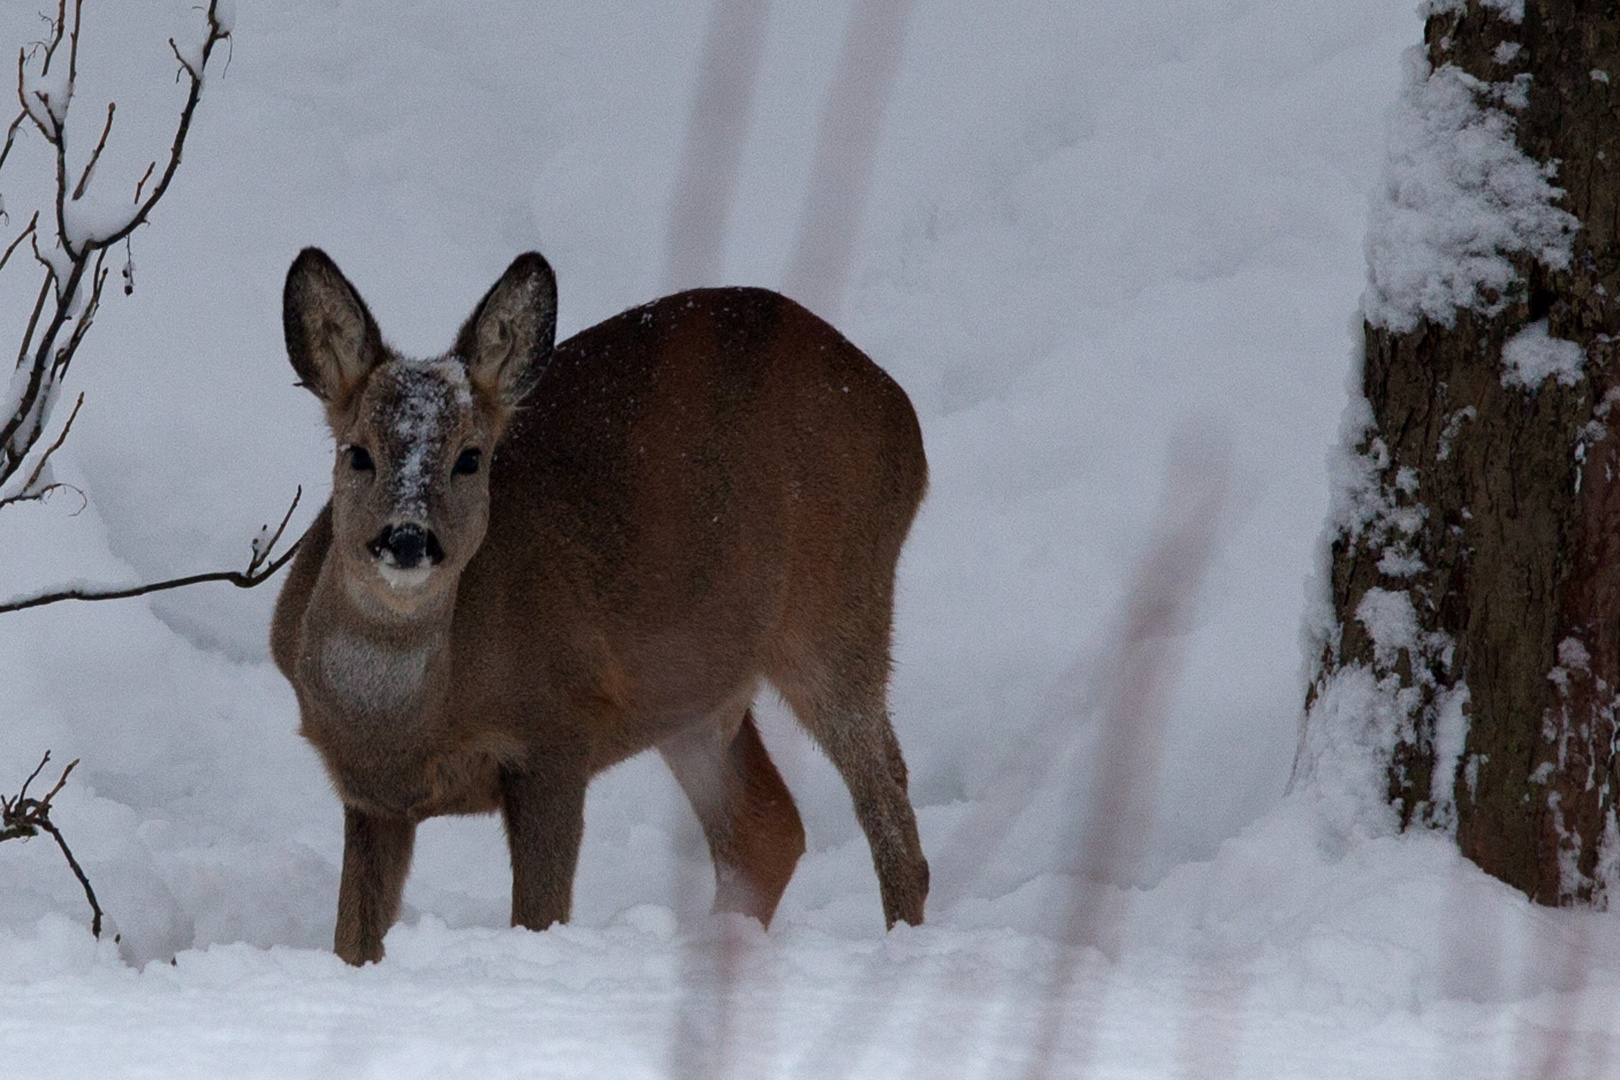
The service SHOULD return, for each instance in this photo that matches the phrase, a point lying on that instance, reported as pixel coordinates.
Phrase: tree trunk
(1475, 579)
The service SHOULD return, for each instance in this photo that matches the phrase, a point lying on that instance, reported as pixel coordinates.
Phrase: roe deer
(539, 561)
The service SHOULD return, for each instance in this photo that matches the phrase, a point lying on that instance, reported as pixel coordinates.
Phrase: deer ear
(507, 341)
(332, 340)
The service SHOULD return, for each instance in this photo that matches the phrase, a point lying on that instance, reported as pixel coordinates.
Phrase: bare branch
(147, 175)
(184, 63)
(58, 140)
(11, 137)
(39, 257)
(261, 551)
(22, 99)
(57, 26)
(28, 492)
(61, 782)
(216, 34)
(44, 351)
(78, 871)
(21, 357)
(95, 155)
(28, 339)
(87, 315)
(44, 493)
(73, 43)
(33, 223)
(31, 777)
(260, 569)
(22, 817)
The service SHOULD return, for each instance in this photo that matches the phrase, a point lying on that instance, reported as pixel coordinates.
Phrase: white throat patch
(369, 677)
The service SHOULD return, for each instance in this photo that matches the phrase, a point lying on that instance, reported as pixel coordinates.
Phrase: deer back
(685, 481)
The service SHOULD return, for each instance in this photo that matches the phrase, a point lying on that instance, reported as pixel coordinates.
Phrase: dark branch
(58, 25)
(22, 817)
(11, 137)
(78, 871)
(73, 44)
(216, 34)
(33, 775)
(147, 175)
(261, 567)
(95, 155)
(28, 492)
(33, 223)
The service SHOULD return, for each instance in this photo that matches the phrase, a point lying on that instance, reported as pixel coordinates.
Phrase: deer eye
(467, 462)
(360, 459)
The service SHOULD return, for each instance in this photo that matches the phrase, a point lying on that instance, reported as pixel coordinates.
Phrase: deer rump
(688, 501)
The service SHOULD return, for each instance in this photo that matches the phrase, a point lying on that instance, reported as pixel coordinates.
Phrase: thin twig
(95, 155)
(33, 223)
(215, 35)
(81, 326)
(33, 775)
(28, 338)
(26, 492)
(78, 871)
(147, 175)
(261, 552)
(11, 137)
(260, 569)
(73, 45)
(22, 817)
(184, 63)
(39, 257)
(57, 25)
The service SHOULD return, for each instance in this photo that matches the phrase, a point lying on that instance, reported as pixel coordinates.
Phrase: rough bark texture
(1516, 493)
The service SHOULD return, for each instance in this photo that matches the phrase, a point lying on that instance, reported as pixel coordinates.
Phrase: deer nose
(406, 545)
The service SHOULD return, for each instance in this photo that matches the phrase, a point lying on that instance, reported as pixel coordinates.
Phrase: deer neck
(371, 661)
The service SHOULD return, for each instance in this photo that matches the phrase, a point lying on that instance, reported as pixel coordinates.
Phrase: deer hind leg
(747, 813)
(842, 701)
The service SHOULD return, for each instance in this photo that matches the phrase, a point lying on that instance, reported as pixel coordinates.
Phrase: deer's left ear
(506, 342)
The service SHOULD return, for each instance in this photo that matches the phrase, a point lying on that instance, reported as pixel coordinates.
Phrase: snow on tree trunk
(1470, 658)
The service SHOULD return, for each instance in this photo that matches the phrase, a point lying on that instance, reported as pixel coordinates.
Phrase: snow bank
(1277, 959)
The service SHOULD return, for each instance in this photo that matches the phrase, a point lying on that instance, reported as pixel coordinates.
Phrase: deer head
(415, 438)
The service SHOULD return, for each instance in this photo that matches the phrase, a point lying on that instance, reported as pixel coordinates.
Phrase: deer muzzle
(406, 546)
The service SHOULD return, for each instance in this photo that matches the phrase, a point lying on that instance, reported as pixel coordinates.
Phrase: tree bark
(1495, 505)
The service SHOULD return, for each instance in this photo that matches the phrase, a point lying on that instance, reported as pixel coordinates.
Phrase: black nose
(407, 545)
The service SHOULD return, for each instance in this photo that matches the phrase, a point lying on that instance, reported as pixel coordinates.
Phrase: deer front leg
(544, 805)
(376, 858)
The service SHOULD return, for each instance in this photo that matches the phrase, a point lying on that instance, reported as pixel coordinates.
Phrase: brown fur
(686, 501)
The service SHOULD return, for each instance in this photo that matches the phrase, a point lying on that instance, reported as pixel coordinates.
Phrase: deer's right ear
(332, 340)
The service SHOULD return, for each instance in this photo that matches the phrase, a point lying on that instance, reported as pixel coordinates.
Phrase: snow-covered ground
(1097, 232)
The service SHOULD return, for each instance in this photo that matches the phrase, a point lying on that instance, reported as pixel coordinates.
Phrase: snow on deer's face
(410, 487)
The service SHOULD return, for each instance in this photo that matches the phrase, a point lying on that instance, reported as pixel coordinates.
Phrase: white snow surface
(1092, 229)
